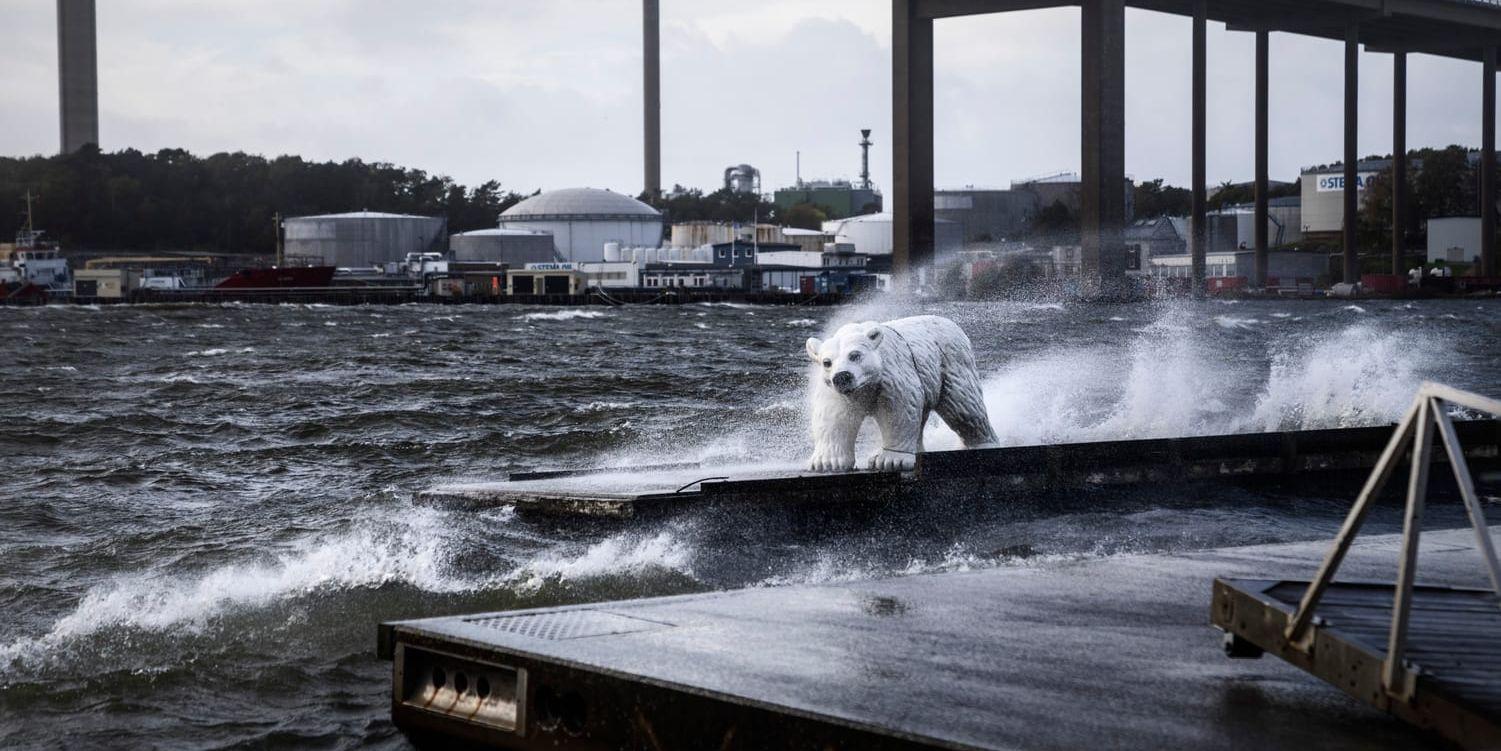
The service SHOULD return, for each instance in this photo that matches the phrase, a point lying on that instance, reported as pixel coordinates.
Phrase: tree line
(175, 201)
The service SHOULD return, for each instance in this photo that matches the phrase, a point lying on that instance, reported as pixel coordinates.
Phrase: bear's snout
(844, 380)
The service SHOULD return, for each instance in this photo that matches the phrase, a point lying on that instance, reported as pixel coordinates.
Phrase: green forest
(174, 201)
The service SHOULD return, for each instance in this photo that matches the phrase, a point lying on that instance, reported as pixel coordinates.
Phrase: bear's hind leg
(962, 408)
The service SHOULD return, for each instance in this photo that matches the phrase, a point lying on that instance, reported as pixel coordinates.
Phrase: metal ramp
(1429, 655)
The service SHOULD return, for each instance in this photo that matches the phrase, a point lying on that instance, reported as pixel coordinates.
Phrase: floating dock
(1110, 652)
(1287, 457)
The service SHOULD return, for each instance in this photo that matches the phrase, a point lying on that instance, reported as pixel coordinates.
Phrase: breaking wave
(626, 553)
(561, 315)
(370, 556)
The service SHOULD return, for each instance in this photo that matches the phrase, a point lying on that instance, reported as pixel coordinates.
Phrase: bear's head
(850, 359)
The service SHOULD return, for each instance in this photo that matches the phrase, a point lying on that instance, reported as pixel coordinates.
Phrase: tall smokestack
(651, 39)
(77, 74)
(865, 159)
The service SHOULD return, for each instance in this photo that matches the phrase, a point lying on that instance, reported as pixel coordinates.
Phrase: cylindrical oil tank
(362, 239)
(582, 220)
(872, 234)
(517, 247)
(612, 252)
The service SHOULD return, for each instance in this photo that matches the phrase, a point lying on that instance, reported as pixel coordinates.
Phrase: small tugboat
(36, 272)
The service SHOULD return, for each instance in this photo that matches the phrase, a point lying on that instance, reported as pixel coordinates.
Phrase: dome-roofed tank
(582, 220)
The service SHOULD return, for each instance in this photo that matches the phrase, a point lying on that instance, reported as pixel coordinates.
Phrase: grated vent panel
(566, 624)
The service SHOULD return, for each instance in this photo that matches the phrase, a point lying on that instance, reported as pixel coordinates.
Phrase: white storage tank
(872, 234)
(362, 239)
(582, 220)
(612, 252)
(517, 247)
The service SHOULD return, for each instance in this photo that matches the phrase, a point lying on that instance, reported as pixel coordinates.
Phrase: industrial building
(105, 284)
(1454, 239)
(516, 247)
(742, 178)
(840, 198)
(582, 220)
(986, 214)
(1232, 270)
(993, 214)
(361, 239)
(1066, 188)
(1324, 191)
(871, 234)
(1284, 222)
(546, 279)
(697, 234)
(1151, 238)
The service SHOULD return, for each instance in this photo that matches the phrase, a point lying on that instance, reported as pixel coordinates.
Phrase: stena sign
(552, 267)
(1336, 183)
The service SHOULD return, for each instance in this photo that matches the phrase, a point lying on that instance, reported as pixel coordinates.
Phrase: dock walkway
(1113, 652)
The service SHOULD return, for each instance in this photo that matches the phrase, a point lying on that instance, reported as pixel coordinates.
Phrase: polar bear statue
(897, 372)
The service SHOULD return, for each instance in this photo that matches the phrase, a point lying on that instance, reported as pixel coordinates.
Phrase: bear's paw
(893, 461)
(831, 461)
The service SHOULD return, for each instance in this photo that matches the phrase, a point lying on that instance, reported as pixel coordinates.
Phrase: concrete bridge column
(1198, 229)
(1399, 161)
(1263, 210)
(911, 138)
(1488, 164)
(1352, 155)
(651, 45)
(1102, 215)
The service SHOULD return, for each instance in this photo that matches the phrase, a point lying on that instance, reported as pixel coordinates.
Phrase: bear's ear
(814, 344)
(874, 334)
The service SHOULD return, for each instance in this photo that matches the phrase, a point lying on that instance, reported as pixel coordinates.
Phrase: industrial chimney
(77, 74)
(652, 50)
(865, 159)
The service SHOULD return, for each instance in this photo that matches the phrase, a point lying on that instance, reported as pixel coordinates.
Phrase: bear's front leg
(901, 435)
(835, 428)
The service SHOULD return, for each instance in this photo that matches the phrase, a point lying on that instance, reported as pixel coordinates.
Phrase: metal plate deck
(1454, 639)
(1064, 654)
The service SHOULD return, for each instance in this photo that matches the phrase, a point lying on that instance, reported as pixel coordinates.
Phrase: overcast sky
(547, 93)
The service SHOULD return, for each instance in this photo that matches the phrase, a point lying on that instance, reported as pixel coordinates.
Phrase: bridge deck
(1451, 28)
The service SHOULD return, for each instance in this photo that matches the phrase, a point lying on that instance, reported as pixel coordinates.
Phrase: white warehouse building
(582, 220)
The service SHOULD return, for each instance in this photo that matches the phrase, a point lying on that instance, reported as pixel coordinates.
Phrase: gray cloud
(545, 93)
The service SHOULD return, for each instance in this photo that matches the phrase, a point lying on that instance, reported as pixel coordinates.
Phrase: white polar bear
(897, 372)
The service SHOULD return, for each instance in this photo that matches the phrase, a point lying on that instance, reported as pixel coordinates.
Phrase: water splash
(621, 554)
(411, 551)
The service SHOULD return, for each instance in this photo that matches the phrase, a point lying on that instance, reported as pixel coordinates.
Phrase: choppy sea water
(205, 510)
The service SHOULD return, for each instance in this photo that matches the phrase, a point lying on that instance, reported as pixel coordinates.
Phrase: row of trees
(1443, 183)
(173, 200)
(723, 205)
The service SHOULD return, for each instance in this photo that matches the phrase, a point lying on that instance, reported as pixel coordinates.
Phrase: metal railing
(1426, 415)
